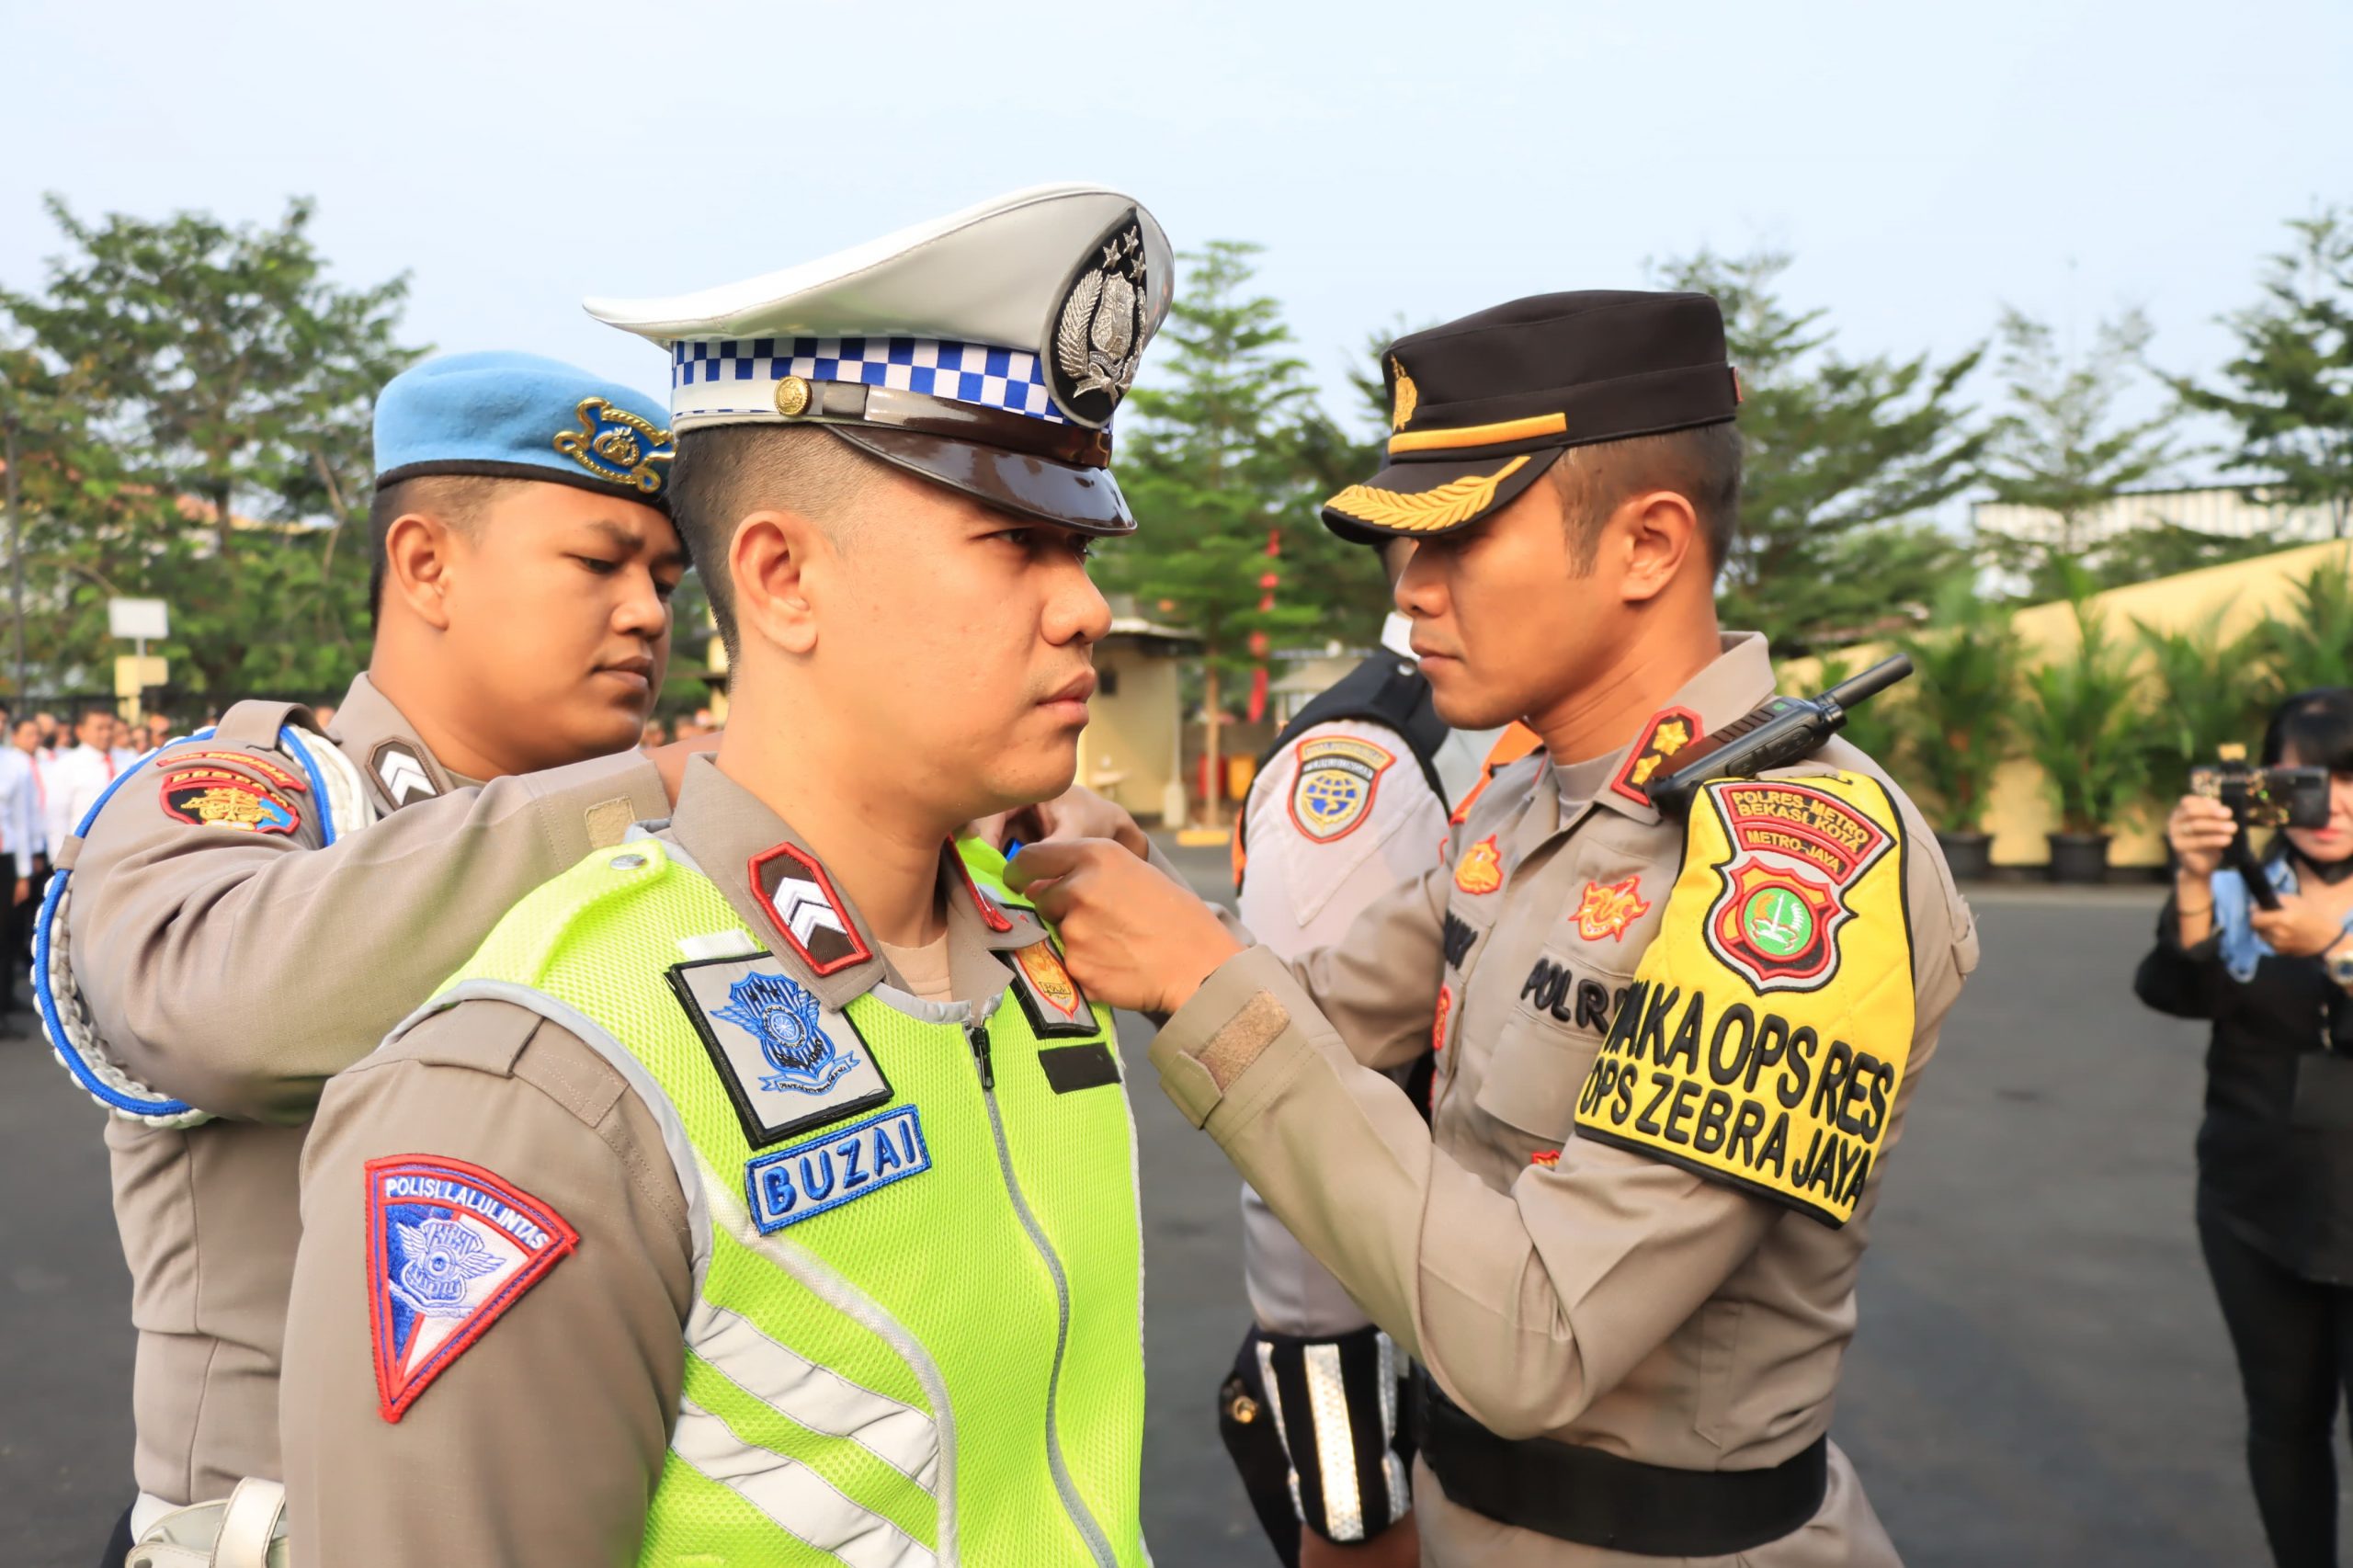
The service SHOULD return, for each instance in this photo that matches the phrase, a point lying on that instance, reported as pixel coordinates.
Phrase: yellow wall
(2243, 591)
(1128, 748)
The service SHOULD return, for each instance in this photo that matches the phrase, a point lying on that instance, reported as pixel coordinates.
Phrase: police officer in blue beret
(248, 910)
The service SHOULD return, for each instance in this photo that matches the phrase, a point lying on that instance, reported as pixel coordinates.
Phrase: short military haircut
(723, 473)
(459, 500)
(1702, 465)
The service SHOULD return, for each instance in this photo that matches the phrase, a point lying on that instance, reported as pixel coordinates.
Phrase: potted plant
(2084, 727)
(2208, 691)
(1956, 721)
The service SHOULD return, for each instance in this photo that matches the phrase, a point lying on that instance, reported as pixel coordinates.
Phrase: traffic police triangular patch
(788, 1061)
(450, 1248)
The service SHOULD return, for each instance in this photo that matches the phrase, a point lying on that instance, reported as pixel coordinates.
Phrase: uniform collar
(1737, 679)
(779, 887)
(401, 769)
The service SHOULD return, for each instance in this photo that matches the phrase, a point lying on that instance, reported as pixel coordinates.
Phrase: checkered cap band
(740, 376)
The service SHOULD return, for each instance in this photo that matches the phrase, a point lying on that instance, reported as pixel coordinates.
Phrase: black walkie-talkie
(1781, 732)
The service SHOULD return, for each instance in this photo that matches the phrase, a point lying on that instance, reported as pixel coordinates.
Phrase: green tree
(229, 383)
(2059, 446)
(1844, 457)
(1213, 470)
(1345, 580)
(2289, 391)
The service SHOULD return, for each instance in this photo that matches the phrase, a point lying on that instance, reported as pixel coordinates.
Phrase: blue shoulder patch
(809, 1178)
(450, 1248)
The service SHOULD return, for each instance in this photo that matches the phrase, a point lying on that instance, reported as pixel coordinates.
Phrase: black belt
(1597, 1499)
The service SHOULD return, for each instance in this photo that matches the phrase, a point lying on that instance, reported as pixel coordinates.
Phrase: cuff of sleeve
(1232, 1035)
(590, 805)
(2169, 935)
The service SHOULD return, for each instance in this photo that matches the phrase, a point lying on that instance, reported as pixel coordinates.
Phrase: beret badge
(616, 444)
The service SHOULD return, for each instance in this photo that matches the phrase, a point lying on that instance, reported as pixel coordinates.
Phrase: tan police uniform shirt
(1552, 1285)
(237, 970)
(1310, 876)
(541, 1443)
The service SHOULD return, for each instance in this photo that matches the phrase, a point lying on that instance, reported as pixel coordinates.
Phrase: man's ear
(777, 562)
(1660, 533)
(420, 557)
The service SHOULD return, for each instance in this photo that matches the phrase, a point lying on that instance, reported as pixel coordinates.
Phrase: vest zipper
(977, 1034)
(1099, 1545)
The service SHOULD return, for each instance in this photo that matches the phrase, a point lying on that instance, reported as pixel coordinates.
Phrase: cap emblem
(1424, 511)
(1100, 327)
(1407, 395)
(616, 444)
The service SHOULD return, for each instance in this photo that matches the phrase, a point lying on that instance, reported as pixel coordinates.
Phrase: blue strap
(291, 740)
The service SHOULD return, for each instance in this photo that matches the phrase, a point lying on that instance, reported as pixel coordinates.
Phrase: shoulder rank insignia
(216, 796)
(616, 444)
(402, 773)
(450, 1248)
(800, 901)
(1333, 792)
(788, 1062)
(1766, 1032)
(1481, 870)
(1669, 730)
(1055, 1004)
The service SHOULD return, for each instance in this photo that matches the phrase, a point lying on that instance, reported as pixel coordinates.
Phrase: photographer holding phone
(2274, 1152)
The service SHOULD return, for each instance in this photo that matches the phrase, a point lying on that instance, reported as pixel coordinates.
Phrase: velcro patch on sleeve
(1769, 1023)
(218, 797)
(450, 1248)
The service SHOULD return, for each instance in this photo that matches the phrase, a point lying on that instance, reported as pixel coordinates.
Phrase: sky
(1925, 164)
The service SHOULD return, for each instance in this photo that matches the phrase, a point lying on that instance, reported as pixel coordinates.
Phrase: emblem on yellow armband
(1795, 849)
(1483, 868)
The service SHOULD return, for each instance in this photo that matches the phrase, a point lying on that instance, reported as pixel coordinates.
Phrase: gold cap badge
(616, 444)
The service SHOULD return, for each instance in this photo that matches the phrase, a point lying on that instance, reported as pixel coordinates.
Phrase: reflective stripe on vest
(872, 1384)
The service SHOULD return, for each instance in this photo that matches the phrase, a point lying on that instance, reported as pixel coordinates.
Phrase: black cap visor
(1065, 494)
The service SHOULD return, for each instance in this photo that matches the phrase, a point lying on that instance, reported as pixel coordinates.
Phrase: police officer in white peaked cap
(763, 1190)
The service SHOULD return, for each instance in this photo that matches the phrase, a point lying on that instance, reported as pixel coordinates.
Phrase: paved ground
(2040, 1378)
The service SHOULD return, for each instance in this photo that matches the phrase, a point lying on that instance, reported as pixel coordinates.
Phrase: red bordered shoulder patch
(1669, 730)
(801, 903)
(450, 1248)
(214, 797)
(270, 770)
(1334, 789)
(1796, 852)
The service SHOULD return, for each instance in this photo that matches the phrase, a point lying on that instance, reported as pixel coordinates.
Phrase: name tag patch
(790, 1062)
(810, 1178)
(450, 1248)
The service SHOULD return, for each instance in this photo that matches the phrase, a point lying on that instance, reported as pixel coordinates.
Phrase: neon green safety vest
(933, 1352)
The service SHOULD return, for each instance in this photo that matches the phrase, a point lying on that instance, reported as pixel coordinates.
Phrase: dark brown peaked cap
(1482, 406)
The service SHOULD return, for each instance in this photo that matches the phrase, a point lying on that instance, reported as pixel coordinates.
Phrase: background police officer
(1672, 1057)
(234, 937)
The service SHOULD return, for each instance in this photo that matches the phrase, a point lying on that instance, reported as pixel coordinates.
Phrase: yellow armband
(1769, 1024)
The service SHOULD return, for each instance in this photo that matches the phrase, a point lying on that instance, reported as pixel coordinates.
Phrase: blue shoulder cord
(67, 1051)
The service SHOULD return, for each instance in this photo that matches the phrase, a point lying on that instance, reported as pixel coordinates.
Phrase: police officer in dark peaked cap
(1673, 1052)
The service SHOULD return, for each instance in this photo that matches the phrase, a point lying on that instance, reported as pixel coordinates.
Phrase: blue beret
(520, 416)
